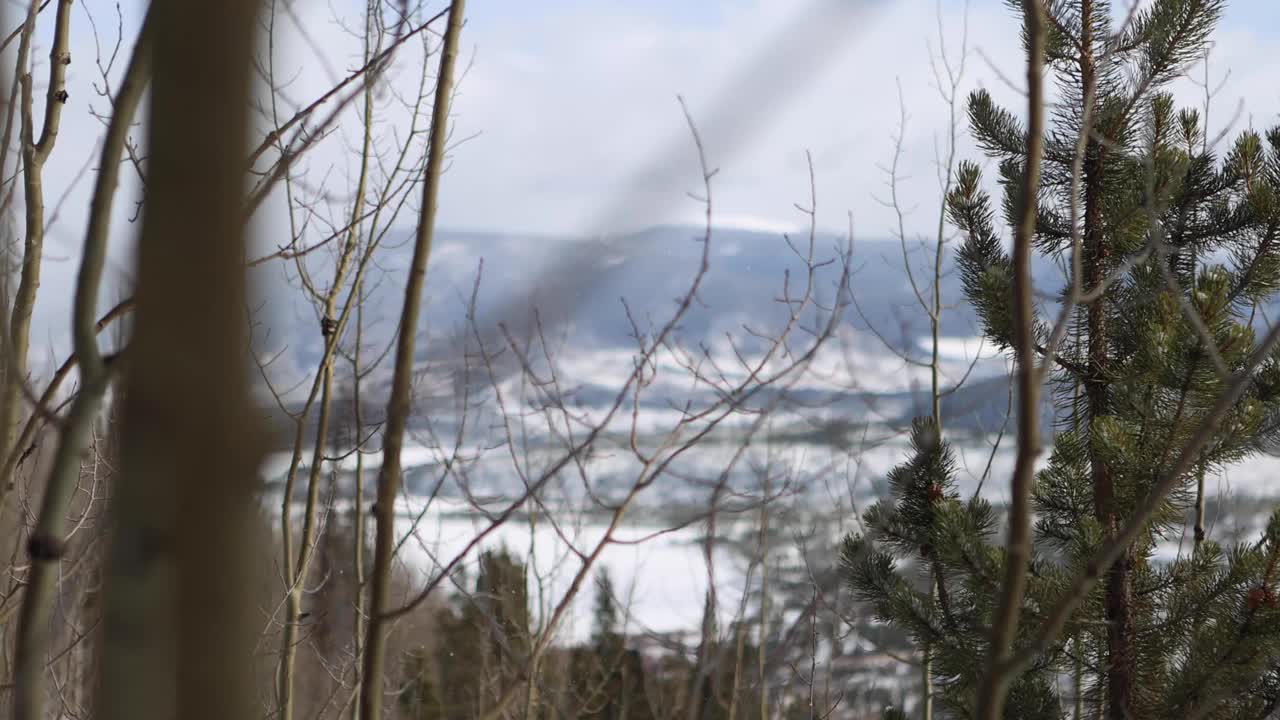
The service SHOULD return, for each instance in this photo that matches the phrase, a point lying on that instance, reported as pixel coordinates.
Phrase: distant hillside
(578, 288)
(579, 285)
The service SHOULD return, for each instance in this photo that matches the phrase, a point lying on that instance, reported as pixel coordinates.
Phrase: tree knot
(43, 548)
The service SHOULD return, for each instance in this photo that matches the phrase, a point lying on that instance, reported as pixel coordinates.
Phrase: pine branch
(1107, 554)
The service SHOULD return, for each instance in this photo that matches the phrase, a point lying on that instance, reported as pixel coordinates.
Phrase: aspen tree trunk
(332, 329)
(176, 628)
(358, 527)
(45, 546)
(357, 513)
(761, 654)
(997, 676)
(398, 407)
(35, 152)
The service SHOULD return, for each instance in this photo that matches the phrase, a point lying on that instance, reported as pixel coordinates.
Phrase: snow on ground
(660, 574)
(858, 359)
(661, 579)
(851, 360)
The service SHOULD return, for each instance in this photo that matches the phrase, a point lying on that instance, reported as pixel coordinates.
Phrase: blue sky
(578, 131)
(581, 132)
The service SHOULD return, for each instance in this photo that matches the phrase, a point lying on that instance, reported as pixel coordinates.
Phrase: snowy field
(660, 573)
(660, 579)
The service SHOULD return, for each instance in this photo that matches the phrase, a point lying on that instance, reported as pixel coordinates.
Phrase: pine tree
(608, 681)
(925, 531)
(502, 599)
(605, 613)
(1171, 237)
(482, 643)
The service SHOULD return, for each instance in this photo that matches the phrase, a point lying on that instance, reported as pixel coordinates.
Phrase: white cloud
(573, 145)
(580, 131)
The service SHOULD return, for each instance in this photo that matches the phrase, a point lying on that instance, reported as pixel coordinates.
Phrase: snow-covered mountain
(588, 297)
